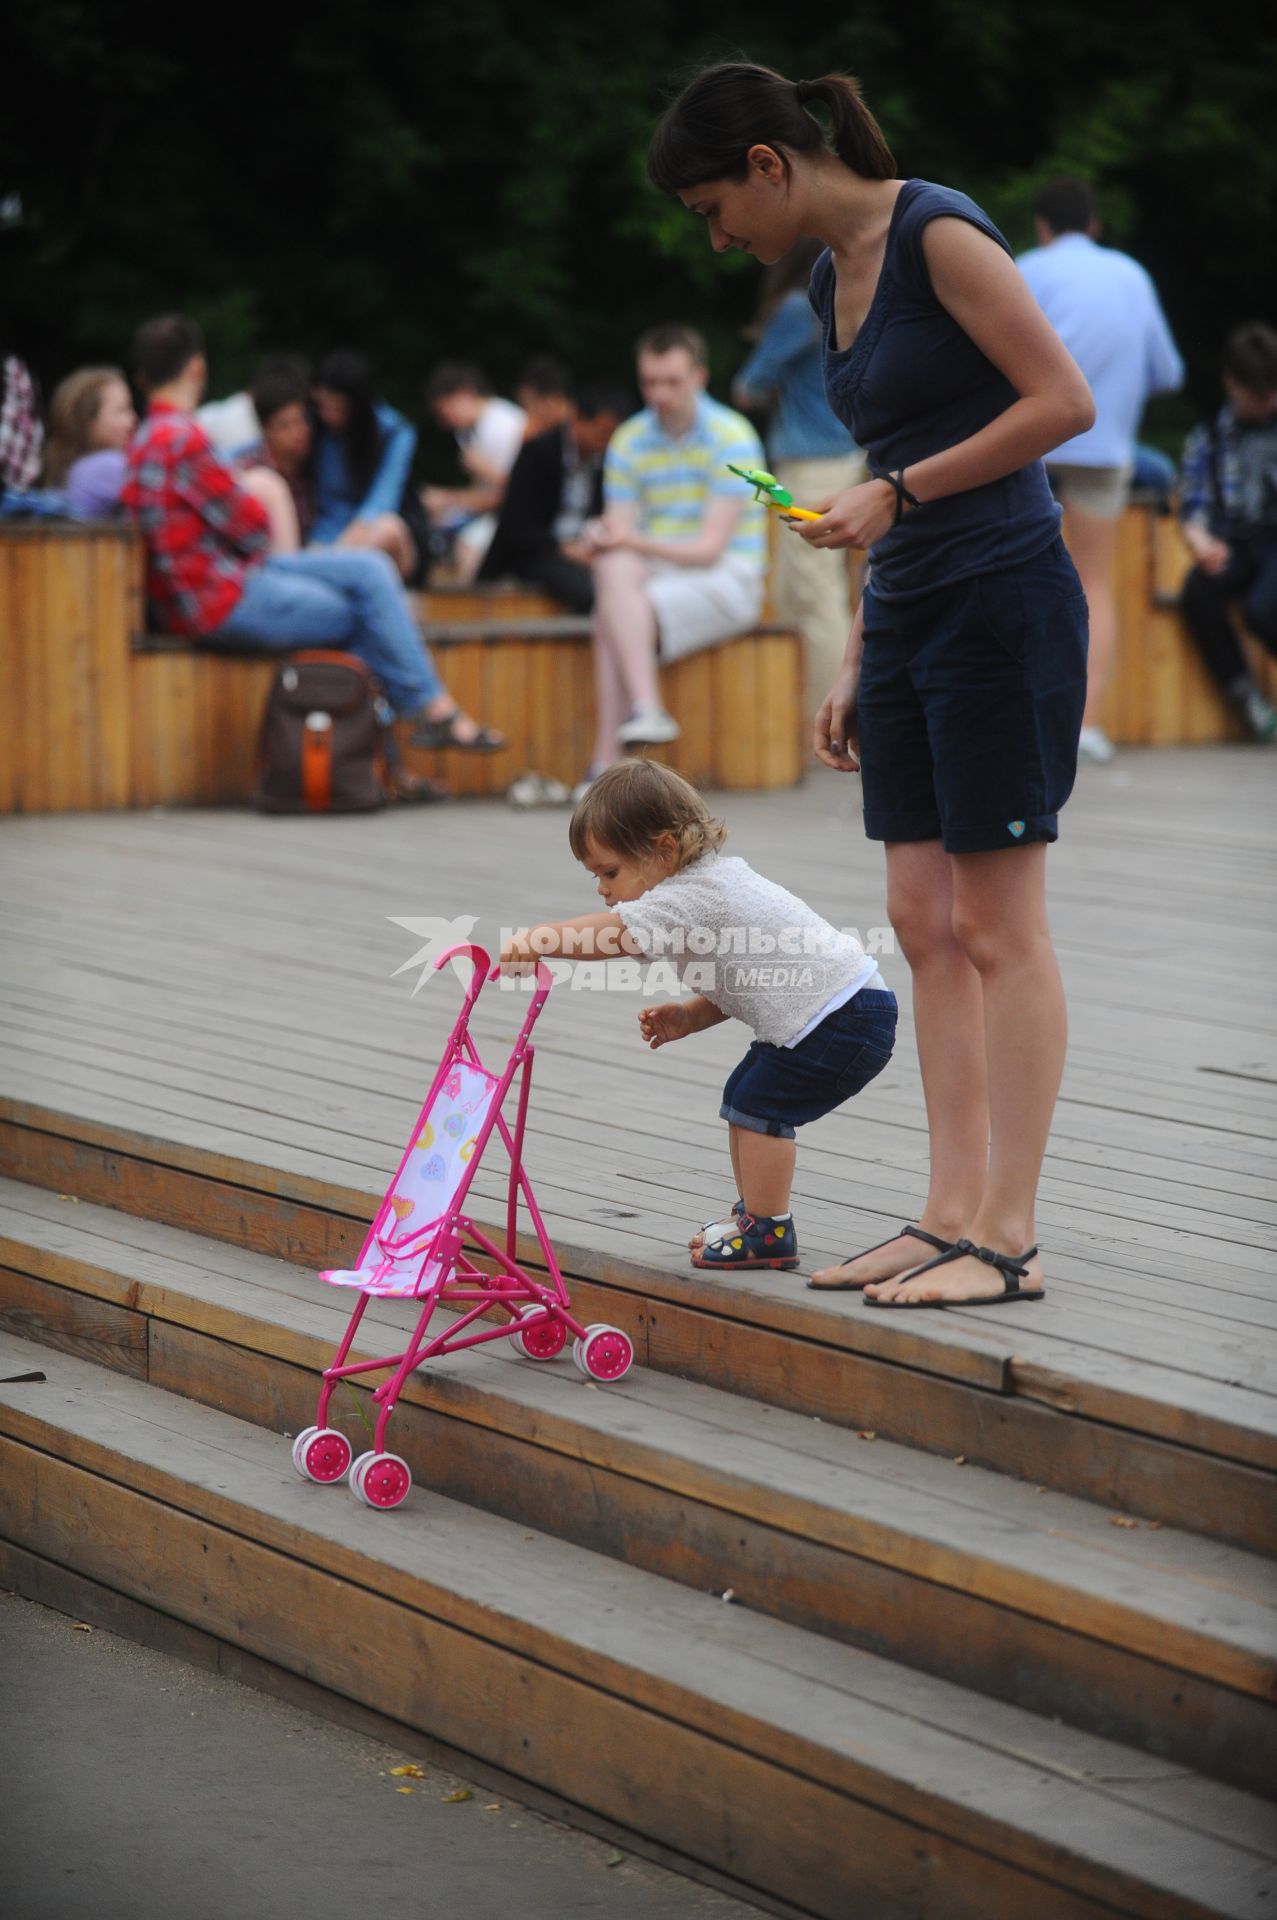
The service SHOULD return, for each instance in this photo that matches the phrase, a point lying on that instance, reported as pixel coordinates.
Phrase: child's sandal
(749, 1242)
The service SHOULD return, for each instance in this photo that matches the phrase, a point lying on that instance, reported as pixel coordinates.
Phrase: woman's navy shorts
(775, 1089)
(970, 705)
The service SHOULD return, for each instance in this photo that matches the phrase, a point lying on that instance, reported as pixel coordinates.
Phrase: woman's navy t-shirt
(911, 384)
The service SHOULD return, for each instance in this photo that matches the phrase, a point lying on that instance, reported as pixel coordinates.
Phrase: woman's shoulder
(922, 201)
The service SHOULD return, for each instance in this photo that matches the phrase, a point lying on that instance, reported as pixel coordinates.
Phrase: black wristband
(903, 494)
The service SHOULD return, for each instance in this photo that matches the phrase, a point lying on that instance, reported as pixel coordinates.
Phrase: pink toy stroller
(413, 1251)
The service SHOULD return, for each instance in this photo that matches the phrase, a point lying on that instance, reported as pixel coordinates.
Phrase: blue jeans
(333, 599)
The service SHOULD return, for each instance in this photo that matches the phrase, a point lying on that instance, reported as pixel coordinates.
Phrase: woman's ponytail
(857, 138)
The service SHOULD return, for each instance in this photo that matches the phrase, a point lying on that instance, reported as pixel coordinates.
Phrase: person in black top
(961, 694)
(555, 489)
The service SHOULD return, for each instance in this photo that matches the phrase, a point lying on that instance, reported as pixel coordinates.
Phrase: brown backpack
(323, 746)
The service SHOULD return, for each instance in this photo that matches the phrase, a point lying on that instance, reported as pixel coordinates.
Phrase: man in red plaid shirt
(210, 572)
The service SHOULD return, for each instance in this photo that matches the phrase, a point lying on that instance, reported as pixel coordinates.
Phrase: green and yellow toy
(768, 489)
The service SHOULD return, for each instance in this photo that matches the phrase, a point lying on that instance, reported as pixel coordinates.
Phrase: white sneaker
(648, 727)
(1258, 714)
(1094, 745)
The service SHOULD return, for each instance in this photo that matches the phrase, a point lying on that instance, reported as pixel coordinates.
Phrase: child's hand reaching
(517, 956)
(673, 1021)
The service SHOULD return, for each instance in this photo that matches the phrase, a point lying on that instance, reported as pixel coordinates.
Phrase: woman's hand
(673, 1021)
(854, 518)
(835, 736)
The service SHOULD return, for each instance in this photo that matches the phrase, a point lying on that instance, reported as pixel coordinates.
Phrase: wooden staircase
(841, 1611)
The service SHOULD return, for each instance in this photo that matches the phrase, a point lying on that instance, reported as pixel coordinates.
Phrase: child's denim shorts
(775, 1089)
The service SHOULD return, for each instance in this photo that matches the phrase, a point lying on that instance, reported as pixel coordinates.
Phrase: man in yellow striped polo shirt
(681, 551)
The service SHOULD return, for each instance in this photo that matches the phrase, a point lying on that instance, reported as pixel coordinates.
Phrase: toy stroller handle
(480, 960)
(543, 977)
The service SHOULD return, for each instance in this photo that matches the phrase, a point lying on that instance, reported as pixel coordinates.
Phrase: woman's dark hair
(733, 106)
(1250, 357)
(546, 375)
(349, 374)
(454, 376)
(278, 384)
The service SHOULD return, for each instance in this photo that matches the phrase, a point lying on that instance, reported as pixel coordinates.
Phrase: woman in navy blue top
(961, 694)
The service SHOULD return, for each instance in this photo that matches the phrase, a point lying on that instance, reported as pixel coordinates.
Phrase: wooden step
(811, 1771)
(1147, 1439)
(1155, 1638)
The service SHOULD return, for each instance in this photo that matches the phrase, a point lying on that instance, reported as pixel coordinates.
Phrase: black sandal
(1012, 1271)
(857, 1286)
(440, 733)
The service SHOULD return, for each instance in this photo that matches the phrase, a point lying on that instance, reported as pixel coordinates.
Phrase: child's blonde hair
(629, 807)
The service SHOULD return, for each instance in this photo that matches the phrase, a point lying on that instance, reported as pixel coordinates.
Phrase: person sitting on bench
(210, 574)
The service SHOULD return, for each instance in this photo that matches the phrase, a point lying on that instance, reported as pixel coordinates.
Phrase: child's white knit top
(758, 952)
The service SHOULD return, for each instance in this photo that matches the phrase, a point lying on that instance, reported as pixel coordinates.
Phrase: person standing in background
(1105, 309)
(811, 453)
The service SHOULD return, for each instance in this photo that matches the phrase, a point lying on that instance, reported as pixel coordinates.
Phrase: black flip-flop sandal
(1012, 1271)
(439, 736)
(857, 1286)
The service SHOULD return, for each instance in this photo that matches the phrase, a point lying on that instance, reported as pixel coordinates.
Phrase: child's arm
(591, 936)
(677, 1018)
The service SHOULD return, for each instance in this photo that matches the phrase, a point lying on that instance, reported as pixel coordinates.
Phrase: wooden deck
(228, 983)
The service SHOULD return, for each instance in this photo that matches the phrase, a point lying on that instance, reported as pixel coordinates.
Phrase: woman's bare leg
(1093, 546)
(999, 920)
(949, 1022)
(386, 534)
(271, 489)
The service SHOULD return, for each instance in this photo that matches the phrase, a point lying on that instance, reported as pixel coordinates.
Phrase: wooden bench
(104, 715)
(100, 715)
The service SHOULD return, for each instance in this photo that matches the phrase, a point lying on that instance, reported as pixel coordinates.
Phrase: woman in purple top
(91, 421)
(961, 693)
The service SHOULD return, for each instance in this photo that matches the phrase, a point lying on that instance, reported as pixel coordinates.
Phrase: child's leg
(764, 1166)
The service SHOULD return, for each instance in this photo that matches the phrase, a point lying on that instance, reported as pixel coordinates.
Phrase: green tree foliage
(421, 180)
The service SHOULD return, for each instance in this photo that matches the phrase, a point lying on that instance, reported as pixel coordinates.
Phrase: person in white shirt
(1105, 309)
(824, 1020)
(489, 431)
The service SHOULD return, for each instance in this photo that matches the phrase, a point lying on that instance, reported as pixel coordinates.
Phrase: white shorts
(1102, 491)
(697, 607)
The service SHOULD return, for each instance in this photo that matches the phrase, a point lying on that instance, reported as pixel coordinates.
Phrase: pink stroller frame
(425, 1260)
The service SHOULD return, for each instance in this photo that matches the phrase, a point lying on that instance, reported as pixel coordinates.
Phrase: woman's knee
(921, 917)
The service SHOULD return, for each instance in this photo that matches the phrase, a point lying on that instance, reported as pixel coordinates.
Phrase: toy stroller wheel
(306, 1435)
(543, 1341)
(606, 1353)
(381, 1480)
(325, 1456)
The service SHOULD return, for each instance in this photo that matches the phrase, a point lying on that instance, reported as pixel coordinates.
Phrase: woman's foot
(443, 726)
(889, 1261)
(961, 1276)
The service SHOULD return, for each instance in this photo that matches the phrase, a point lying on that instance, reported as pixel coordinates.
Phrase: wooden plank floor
(229, 983)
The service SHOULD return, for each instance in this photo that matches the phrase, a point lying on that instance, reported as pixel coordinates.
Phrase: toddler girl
(824, 1021)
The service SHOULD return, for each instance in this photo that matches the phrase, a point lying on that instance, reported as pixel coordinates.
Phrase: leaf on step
(452, 1799)
(959, 1459)
(1122, 1520)
(863, 1433)
(407, 1773)
(405, 1789)
(81, 1626)
(615, 1858)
